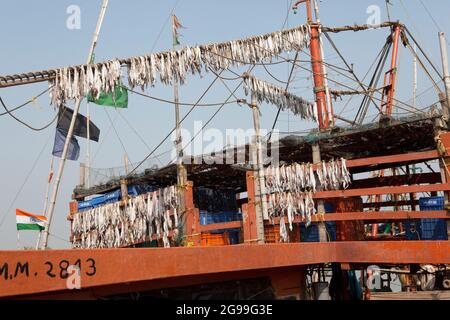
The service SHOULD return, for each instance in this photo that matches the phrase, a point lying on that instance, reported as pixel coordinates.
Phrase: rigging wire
(104, 139)
(153, 47)
(380, 53)
(181, 120)
(117, 134)
(181, 103)
(431, 16)
(26, 103)
(23, 122)
(216, 112)
(275, 78)
(348, 66)
(286, 88)
(59, 237)
(30, 172)
(136, 133)
(164, 25)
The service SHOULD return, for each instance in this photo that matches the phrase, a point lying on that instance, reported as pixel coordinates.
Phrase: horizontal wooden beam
(221, 226)
(398, 180)
(404, 157)
(129, 267)
(371, 216)
(382, 190)
(390, 203)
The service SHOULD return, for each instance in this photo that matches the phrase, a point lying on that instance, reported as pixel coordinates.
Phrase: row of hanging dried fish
(290, 189)
(78, 81)
(283, 99)
(112, 225)
(290, 204)
(299, 177)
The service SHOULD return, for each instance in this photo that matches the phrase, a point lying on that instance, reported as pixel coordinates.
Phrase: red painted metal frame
(126, 267)
(382, 190)
(404, 157)
(392, 73)
(398, 180)
(221, 226)
(323, 109)
(391, 203)
(249, 211)
(373, 216)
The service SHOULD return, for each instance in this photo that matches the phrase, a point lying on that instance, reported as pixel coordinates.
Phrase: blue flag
(60, 138)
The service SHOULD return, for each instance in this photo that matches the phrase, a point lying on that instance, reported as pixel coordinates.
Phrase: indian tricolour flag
(29, 221)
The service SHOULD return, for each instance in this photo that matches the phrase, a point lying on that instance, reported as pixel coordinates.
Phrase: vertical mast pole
(181, 171)
(390, 90)
(324, 113)
(44, 212)
(330, 112)
(88, 110)
(62, 161)
(415, 77)
(321, 91)
(446, 73)
(260, 194)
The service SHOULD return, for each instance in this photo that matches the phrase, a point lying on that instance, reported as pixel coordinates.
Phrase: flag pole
(62, 161)
(46, 198)
(88, 111)
(181, 171)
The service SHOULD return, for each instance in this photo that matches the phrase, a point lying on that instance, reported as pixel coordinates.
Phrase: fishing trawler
(324, 215)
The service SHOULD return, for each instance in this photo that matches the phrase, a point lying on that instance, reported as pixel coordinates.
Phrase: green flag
(117, 99)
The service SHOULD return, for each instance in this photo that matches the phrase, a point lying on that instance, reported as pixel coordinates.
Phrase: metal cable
(180, 103)
(136, 133)
(25, 180)
(26, 103)
(24, 123)
(182, 119)
(117, 134)
(286, 88)
(217, 111)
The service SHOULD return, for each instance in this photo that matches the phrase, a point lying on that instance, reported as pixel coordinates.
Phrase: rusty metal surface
(372, 216)
(128, 266)
(381, 190)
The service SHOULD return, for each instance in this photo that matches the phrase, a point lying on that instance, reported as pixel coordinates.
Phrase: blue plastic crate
(311, 233)
(219, 217)
(97, 201)
(427, 229)
(234, 237)
(434, 229)
(84, 205)
(112, 196)
(431, 203)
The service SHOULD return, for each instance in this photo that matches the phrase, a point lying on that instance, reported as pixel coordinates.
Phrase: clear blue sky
(34, 37)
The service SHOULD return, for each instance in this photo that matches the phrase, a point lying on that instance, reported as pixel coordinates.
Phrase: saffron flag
(176, 25)
(29, 221)
(60, 138)
(117, 99)
(65, 117)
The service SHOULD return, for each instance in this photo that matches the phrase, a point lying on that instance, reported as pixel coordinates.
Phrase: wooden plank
(420, 178)
(418, 295)
(390, 203)
(405, 157)
(221, 226)
(122, 267)
(381, 190)
(371, 216)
